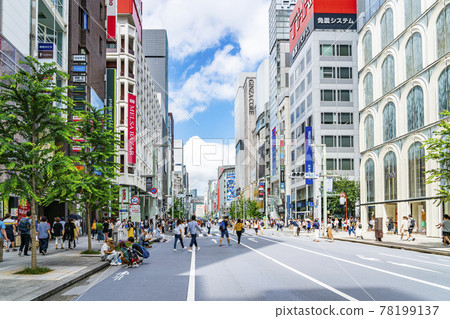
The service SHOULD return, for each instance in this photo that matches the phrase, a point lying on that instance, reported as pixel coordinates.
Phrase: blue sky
(210, 42)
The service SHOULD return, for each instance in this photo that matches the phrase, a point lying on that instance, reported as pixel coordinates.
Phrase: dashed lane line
(191, 286)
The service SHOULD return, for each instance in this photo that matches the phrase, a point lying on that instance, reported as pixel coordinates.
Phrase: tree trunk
(88, 218)
(33, 233)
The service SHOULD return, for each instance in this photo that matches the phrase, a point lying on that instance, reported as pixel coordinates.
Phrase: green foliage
(34, 271)
(178, 209)
(90, 252)
(349, 187)
(437, 150)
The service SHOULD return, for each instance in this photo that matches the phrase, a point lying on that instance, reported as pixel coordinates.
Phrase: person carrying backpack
(24, 229)
(224, 231)
(411, 226)
(57, 232)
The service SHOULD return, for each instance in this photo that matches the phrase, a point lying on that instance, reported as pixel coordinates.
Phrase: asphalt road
(273, 268)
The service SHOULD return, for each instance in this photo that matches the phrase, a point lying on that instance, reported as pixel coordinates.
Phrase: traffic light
(298, 174)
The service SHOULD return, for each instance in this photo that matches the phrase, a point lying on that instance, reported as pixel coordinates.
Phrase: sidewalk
(422, 243)
(68, 267)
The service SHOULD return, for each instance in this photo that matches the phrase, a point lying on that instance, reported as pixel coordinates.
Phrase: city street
(270, 268)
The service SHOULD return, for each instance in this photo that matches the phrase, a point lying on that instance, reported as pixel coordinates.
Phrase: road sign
(153, 191)
(135, 200)
(311, 175)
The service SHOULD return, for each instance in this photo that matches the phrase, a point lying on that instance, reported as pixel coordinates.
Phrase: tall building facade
(323, 98)
(137, 110)
(404, 78)
(225, 188)
(244, 123)
(279, 63)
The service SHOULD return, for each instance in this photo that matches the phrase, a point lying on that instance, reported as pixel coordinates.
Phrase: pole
(324, 190)
(346, 206)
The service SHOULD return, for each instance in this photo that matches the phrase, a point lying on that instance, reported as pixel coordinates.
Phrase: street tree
(437, 150)
(342, 184)
(177, 209)
(252, 209)
(33, 132)
(96, 189)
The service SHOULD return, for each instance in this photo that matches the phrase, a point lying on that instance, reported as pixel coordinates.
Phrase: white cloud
(196, 25)
(202, 157)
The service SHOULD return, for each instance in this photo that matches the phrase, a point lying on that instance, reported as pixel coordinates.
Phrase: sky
(210, 42)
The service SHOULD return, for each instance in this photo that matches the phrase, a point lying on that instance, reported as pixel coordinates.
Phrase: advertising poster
(231, 182)
(131, 129)
(308, 154)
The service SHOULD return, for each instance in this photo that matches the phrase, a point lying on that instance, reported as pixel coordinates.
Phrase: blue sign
(308, 154)
(274, 151)
(79, 68)
(311, 204)
(96, 101)
(282, 185)
(45, 46)
(288, 206)
(231, 184)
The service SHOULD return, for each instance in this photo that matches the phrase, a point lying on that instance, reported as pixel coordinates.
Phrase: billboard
(231, 183)
(111, 12)
(131, 129)
(308, 154)
(309, 15)
(274, 151)
(262, 160)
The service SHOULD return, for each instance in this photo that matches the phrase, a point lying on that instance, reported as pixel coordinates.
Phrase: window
(327, 72)
(122, 163)
(390, 176)
(346, 164)
(413, 55)
(388, 74)
(368, 89)
(345, 118)
(291, 79)
(367, 47)
(387, 28)
(370, 180)
(302, 66)
(326, 50)
(292, 136)
(389, 127)
(292, 118)
(83, 18)
(327, 95)
(343, 50)
(308, 57)
(297, 113)
(331, 164)
(292, 100)
(297, 73)
(412, 11)
(100, 45)
(309, 78)
(310, 121)
(444, 90)
(329, 140)
(416, 170)
(293, 156)
(122, 139)
(368, 128)
(302, 107)
(344, 73)
(415, 108)
(443, 34)
(328, 118)
(309, 100)
(345, 141)
(345, 95)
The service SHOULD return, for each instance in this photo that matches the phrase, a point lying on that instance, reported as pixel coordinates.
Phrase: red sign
(131, 129)
(23, 209)
(111, 12)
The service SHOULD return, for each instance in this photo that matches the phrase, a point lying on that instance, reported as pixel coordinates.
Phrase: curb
(56, 289)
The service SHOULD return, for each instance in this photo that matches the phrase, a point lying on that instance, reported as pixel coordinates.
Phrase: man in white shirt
(404, 227)
(108, 253)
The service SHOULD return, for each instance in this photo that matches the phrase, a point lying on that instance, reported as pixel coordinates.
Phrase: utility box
(378, 228)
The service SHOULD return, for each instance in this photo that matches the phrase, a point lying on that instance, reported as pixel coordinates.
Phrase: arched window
(368, 127)
(367, 47)
(370, 180)
(388, 74)
(444, 90)
(390, 176)
(387, 28)
(415, 108)
(443, 32)
(412, 11)
(368, 89)
(416, 170)
(413, 55)
(389, 120)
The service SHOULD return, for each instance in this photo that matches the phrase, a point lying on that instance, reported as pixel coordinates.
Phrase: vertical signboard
(131, 129)
(123, 195)
(231, 181)
(262, 161)
(148, 184)
(111, 100)
(274, 151)
(111, 12)
(308, 154)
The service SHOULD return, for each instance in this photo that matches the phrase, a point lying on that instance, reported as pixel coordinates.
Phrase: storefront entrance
(418, 211)
(391, 214)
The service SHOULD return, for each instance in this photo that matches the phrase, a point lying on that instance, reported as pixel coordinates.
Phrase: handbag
(242, 229)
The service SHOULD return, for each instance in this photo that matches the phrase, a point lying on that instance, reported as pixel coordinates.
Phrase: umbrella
(75, 216)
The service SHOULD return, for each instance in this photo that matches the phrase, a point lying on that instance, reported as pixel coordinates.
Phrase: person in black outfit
(106, 229)
(69, 233)
(57, 232)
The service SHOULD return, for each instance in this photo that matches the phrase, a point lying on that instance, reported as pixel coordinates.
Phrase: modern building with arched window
(404, 78)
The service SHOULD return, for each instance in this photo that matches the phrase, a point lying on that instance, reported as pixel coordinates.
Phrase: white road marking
(367, 258)
(446, 260)
(365, 266)
(410, 266)
(119, 276)
(253, 240)
(215, 241)
(324, 285)
(422, 261)
(191, 286)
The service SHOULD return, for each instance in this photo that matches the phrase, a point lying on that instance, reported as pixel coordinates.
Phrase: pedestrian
(208, 225)
(411, 227)
(43, 233)
(294, 227)
(192, 228)
(130, 228)
(309, 226)
(11, 231)
(57, 232)
(100, 231)
(404, 227)
(159, 234)
(24, 229)
(224, 231)
(445, 225)
(330, 230)
(111, 228)
(94, 228)
(105, 229)
(3, 238)
(108, 253)
(69, 233)
(239, 227)
(256, 227)
(390, 226)
(359, 227)
(316, 227)
(146, 224)
(178, 231)
(351, 227)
